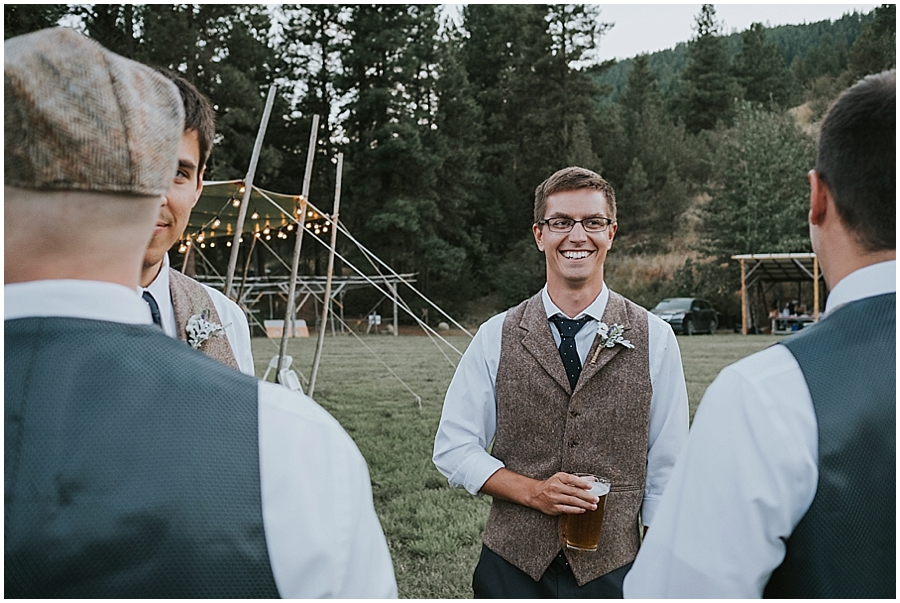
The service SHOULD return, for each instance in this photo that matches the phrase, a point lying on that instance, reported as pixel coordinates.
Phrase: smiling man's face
(575, 259)
(183, 193)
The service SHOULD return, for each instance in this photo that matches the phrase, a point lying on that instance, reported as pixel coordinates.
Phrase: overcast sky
(651, 27)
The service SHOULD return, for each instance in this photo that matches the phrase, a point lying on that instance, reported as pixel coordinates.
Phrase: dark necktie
(567, 350)
(154, 308)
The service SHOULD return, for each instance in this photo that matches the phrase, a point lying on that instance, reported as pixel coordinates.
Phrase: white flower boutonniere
(199, 329)
(608, 336)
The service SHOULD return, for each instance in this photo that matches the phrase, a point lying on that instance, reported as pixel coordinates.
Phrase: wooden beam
(743, 298)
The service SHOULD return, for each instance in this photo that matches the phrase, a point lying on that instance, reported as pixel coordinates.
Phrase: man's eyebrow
(186, 163)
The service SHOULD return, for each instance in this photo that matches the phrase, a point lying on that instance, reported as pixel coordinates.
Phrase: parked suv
(687, 315)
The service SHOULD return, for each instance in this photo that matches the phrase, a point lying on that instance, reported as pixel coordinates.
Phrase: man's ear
(199, 186)
(819, 198)
(538, 236)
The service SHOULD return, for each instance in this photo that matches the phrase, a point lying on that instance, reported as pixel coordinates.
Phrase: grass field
(433, 530)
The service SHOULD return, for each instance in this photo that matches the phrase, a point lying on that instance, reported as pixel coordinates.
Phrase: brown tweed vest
(189, 298)
(543, 427)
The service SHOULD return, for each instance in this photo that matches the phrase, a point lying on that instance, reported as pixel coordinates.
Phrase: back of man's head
(198, 114)
(857, 159)
(86, 133)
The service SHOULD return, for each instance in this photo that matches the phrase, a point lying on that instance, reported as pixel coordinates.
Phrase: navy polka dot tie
(568, 328)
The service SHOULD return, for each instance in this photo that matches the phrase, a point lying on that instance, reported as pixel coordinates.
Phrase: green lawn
(433, 530)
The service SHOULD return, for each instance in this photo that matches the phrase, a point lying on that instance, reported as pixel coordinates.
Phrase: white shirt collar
(877, 279)
(595, 309)
(92, 300)
(159, 288)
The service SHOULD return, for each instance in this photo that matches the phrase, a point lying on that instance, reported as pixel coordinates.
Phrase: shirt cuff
(474, 474)
(648, 510)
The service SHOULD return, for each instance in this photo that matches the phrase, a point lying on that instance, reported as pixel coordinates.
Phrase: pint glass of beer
(583, 529)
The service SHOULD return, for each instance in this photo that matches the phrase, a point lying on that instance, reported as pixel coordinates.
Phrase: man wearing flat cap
(120, 483)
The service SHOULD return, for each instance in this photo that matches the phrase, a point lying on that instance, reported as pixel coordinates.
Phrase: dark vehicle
(687, 315)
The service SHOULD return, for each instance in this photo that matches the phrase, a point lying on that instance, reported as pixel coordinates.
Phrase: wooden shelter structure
(777, 268)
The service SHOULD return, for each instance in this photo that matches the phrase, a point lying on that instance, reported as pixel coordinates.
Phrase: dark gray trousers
(497, 578)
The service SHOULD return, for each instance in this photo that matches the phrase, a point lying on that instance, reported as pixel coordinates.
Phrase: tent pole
(743, 298)
(248, 188)
(301, 220)
(327, 297)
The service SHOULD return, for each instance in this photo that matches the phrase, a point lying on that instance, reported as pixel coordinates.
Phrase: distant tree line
(446, 127)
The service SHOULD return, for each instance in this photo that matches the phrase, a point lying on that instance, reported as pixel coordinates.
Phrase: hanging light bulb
(216, 223)
(212, 244)
(324, 229)
(309, 213)
(255, 216)
(266, 230)
(202, 245)
(182, 248)
(228, 244)
(290, 227)
(309, 224)
(236, 203)
(242, 190)
(268, 237)
(200, 238)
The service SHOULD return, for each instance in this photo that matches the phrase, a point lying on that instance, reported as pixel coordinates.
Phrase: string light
(212, 244)
(290, 227)
(255, 216)
(236, 203)
(228, 244)
(216, 223)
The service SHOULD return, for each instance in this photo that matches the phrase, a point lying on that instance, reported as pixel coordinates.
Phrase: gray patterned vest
(189, 298)
(131, 467)
(543, 427)
(846, 544)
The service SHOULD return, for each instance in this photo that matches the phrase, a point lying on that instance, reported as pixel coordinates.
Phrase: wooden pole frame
(248, 188)
(288, 328)
(326, 306)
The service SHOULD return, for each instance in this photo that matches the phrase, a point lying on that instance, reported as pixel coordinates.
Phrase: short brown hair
(572, 179)
(857, 159)
(198, 114)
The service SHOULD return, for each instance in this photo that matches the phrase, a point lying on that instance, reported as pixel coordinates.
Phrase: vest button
(573, 443)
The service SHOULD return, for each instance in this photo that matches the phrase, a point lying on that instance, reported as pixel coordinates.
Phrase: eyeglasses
(567, 224)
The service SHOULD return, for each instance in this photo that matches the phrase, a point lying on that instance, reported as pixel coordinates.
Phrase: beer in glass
(583, 529)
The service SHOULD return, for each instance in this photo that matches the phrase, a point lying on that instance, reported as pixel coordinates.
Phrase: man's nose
(578, 233)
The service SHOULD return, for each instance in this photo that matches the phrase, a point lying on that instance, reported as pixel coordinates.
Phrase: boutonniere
(608, 336)
(199, 329)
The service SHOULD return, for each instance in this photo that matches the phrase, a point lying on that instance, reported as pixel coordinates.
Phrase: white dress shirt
(322, 534)
(237, 331)
(748, 474)
(469, 418)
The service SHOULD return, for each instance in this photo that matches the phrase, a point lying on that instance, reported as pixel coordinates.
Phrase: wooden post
(816, 288)
(288, 328)
(394, 291)
(743, 298)
(248, 188)
(329, 275)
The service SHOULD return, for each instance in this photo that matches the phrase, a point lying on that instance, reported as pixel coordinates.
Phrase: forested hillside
(447, 129)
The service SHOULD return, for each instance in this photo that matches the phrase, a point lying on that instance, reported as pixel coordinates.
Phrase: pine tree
(708, 90)
(760, 69)
(875, 48)
(19, 19)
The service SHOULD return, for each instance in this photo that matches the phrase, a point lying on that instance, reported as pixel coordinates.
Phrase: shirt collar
(93, 300)
(877, 279)
(595, 309)
(159, 288)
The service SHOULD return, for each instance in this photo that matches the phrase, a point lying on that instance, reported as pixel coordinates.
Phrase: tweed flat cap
(79, 117)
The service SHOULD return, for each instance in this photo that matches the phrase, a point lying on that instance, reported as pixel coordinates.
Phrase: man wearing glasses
(576, 379)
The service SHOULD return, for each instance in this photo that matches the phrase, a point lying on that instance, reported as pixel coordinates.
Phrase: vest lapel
(615, 313)
(538, 340)
(190, 298)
